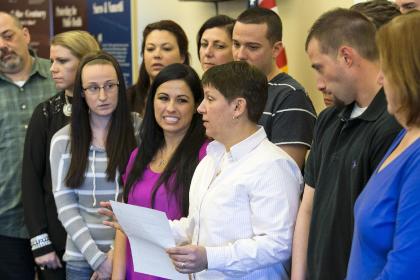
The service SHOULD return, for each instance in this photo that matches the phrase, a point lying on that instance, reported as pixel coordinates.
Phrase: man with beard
(24, 82)
(350, 139)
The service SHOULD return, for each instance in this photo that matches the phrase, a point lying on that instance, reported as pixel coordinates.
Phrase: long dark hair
(137, 93)
(120, 139)
(178, 173)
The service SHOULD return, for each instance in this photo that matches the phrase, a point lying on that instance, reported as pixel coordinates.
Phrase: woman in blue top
(386, 240)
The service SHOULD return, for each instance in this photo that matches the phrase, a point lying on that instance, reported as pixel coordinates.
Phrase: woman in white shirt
(244, 194)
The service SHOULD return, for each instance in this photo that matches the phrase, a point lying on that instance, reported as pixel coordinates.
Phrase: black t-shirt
(289, 116)
(344, 154)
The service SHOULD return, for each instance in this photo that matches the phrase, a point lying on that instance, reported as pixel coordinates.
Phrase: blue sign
(110, 22)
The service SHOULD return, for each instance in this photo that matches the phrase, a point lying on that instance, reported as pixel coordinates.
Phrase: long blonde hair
(398, 43)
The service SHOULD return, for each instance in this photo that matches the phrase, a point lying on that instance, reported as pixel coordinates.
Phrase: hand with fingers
(106, 210)
(105, 269)
(48, 261)
(188, 258)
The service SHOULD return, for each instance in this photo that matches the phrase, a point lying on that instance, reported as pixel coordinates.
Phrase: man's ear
(26, 35)
(346, 55)
(277, 47)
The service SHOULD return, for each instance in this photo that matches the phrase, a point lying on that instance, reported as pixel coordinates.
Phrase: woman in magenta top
(173, 141)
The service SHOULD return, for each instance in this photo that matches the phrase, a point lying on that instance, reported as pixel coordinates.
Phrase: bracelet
(40, 241)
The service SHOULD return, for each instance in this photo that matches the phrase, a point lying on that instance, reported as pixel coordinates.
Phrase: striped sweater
(88, 239)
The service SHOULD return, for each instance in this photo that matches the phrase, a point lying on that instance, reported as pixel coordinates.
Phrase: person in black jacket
(47, 235)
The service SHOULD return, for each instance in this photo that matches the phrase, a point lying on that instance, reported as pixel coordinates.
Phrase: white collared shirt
(243, 207)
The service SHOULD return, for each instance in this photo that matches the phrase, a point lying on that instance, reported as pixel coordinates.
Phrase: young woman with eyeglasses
(87, 160)
(48, 237)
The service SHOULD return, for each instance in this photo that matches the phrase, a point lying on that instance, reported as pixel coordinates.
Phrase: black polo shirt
(344, 154)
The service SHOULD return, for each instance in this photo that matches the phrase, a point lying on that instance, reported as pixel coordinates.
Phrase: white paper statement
(149, 234)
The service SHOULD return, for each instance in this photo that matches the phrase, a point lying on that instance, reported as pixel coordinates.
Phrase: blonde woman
(386, 239)
(87, 158)
(48, 237)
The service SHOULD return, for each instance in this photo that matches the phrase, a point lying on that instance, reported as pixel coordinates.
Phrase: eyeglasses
(95, 89)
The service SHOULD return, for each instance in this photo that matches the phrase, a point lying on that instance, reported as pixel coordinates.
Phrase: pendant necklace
(162, 162)
(67, 107)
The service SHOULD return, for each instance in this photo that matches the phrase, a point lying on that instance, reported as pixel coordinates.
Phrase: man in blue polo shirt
(350, 139)
(24, 82)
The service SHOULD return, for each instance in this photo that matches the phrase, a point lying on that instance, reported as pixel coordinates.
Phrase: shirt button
(25, 126)
(23, 106)
(21, 89)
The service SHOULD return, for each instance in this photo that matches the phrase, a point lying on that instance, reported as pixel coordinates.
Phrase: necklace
(67, 107)
(162, 162)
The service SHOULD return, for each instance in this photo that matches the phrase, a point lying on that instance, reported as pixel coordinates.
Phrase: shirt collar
(372, 113)
(237, 151)
(36, 66)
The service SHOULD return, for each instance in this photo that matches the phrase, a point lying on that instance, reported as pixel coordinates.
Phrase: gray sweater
(87, 238)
